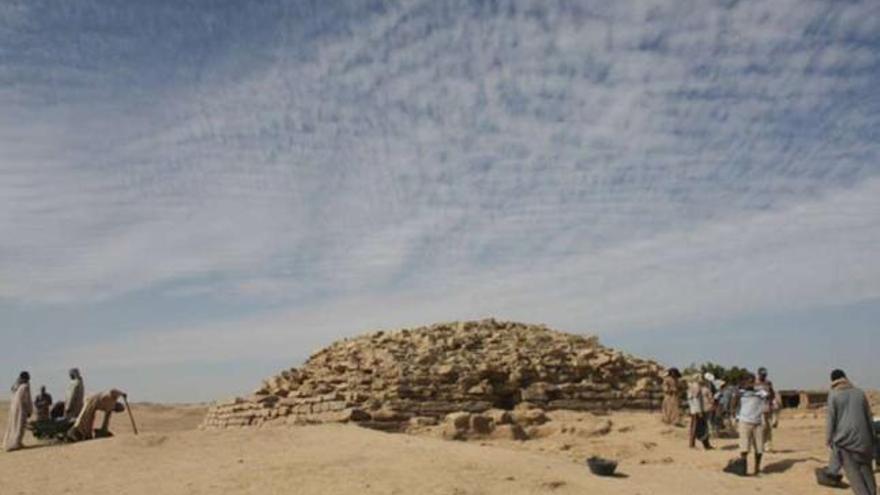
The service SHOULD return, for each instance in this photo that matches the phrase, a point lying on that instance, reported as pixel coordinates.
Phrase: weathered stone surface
(385, 414)
(384, 379)
(352, 415)
(481, 425)
(456, 426)
(499, 416)
(459, 420)
(529, 417)
(509, 432)
(542, 431)
(538, 392)
(422, 421)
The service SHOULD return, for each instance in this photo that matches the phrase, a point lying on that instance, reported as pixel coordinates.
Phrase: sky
(196, 194)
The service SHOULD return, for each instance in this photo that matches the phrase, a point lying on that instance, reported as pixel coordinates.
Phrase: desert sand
(171, 456)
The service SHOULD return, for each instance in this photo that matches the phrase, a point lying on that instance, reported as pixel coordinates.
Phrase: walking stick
(130, 415)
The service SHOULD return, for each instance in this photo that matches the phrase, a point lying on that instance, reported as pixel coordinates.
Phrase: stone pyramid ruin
(387, 380)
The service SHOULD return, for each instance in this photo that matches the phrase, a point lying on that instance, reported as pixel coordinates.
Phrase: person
(751, 420)
(764, 383)
(83, 428)
(727, 405)
(849, 433)
(720, 415)
(707, 389)
(42, 404)
(697, 409)
(57, 411)
(73, 404)
(671, 407)
(20, 409)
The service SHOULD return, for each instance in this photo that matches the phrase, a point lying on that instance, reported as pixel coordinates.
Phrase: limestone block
(529, 417)
(422, 421)
(499, 416)
(481, 425)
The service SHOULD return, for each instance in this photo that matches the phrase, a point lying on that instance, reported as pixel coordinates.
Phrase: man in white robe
(20, 409)
(73, 403)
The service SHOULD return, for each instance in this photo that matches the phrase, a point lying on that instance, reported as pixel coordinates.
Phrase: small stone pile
(393, 380)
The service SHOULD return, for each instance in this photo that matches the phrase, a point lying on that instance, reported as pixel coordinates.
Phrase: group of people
(77, 411)
(713, 405)
(752, 406)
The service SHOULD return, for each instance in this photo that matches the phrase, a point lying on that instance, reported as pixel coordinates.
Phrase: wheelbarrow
(50, 429)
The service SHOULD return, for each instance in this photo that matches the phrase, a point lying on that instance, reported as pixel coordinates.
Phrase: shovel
(130, 415)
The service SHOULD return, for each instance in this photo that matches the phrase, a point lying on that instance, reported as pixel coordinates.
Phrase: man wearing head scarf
(699, 429)
(20, 409)
(849, 433)
(671, 407)
(73, 404)
(769, 421)
(707, 388)
(83, 428)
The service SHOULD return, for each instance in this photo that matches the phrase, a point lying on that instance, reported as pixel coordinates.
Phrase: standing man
(75, 394)
(850, 434)
(707, 388)
(764, 383)
(20, 409)
(671, 407)
(727, 403)
(42, 404)
(697, 409)
(751, 418)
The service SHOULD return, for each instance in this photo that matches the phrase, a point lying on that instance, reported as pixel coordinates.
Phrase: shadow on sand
(39, 446)
(785, 464)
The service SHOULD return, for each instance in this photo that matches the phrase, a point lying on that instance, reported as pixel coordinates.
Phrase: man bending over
(83, 428)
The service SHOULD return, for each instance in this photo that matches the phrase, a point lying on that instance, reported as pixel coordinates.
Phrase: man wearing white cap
(707, 389)
(770, 421)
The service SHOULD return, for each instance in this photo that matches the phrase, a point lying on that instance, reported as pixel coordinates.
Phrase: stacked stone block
(387, 380)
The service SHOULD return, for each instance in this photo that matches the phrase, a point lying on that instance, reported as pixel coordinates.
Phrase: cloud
(811, 255)
(620, 163)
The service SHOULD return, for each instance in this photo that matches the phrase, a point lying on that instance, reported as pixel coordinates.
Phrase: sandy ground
(171, 457)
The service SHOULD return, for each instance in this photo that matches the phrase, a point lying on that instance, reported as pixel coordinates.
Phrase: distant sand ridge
(470, 371)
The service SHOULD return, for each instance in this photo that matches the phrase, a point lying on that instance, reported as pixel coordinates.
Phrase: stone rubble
(503, 373)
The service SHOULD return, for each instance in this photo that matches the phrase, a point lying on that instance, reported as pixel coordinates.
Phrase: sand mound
(386, 379)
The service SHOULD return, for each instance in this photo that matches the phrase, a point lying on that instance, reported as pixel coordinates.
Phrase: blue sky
(194, 194)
